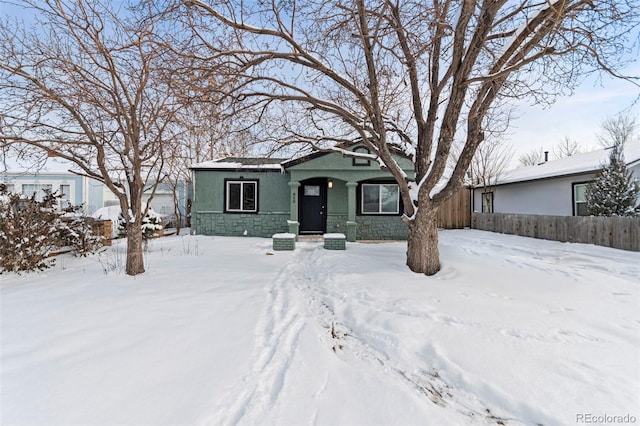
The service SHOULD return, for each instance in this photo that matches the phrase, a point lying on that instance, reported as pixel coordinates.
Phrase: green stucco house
(320, 193)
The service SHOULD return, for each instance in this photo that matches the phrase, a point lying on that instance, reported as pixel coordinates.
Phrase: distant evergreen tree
(615, 191)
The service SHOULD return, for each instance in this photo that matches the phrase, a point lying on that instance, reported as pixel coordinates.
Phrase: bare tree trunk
(423, 255)
(135, 260)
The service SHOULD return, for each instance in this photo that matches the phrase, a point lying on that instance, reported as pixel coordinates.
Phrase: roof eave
(584, 172)
(239, 169)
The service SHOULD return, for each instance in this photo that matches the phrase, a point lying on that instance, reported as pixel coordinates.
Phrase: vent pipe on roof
(546, 156)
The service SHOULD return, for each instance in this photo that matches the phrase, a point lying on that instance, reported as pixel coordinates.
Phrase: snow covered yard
(512, 330)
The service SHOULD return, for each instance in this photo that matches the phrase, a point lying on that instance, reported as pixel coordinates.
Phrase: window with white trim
(580, 199)
(380, 198)
(39, 189)
(241, 196)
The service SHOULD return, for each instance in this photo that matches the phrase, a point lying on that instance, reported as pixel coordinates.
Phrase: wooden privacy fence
(455, 213)
(617, 232)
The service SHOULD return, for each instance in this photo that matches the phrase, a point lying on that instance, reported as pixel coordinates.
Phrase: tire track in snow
(277, 334)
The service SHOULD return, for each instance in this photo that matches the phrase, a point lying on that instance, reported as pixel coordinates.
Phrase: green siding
(208, 217)
(337, 198)
(275, 204)
(273, 192)
(335, 164)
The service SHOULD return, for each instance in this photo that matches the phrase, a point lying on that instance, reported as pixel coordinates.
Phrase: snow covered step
(335, 241)
(284, 241)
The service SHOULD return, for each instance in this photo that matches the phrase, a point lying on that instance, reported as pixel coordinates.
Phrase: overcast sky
(578, 116)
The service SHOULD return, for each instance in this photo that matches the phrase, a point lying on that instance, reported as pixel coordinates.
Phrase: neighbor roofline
(632, 163)
(40, 174)
(515, 182)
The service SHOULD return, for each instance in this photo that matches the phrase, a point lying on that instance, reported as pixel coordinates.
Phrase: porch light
(330, 184)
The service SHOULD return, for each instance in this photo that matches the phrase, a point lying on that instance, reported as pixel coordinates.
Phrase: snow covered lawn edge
(512, 330)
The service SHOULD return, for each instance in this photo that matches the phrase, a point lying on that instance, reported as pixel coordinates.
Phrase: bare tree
(91, 86)
(205, 135)
(491, 160)
(617, 131)
(412, 75)
(532, 158)
(567, 147)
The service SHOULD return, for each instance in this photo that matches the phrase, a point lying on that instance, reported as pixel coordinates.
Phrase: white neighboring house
(555, 188)
(56, 175)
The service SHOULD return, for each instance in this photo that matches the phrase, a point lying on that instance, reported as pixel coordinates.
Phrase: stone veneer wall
(337, 223)
(267, 224)
(381, 228)
(255, 225)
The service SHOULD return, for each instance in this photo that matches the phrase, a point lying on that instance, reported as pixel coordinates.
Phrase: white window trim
(242, 183)
(55, 187)
(379, 212)
(575, 197)
(39, 192)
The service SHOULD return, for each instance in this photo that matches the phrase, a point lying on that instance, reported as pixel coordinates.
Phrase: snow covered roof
(239, 163)
(576, 164)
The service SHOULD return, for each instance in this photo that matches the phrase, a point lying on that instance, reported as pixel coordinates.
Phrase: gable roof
(588, 162)
(343, 146)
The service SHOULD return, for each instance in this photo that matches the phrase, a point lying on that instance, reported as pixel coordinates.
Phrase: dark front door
(312, 212)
